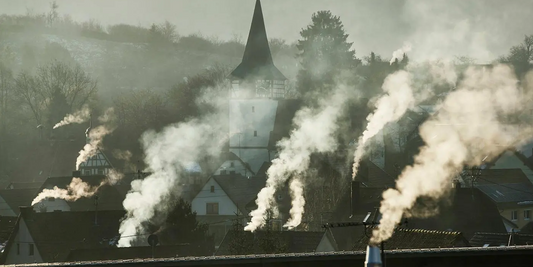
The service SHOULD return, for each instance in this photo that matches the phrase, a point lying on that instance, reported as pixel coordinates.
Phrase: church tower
(257, 76)
(257, 89)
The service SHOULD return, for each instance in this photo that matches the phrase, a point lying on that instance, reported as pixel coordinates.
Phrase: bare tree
(52, 15)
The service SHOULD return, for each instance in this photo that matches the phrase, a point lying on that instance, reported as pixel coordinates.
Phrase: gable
(510, 160)
(18, 250)
(5, 209)
(225, 205)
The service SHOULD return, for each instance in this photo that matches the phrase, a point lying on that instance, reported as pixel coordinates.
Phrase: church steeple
(257, 63)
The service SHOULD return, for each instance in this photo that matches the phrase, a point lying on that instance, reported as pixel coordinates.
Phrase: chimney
(373, 257)
(355, 192)
(76, 174)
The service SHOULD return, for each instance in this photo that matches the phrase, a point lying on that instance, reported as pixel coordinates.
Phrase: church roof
(257, 59)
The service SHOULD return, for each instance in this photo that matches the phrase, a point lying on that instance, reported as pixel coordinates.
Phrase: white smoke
(473, 123)
(75, 190)
(79, 116)
(313, 133)
(403, 90)
(96, 136)
(398, 54)
(167, 154)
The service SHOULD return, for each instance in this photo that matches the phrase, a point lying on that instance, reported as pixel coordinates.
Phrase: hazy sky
(483, 29)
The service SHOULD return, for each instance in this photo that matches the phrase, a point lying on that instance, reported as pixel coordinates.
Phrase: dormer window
(253, 109)
(255, 133)
(212, 189)
(232, 164)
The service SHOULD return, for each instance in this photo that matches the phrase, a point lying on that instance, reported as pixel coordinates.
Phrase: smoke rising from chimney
(167, 154)
(314, 132)
(79, 116)
(403, 90)
(477, 121)
(75, 190)
(96, 136)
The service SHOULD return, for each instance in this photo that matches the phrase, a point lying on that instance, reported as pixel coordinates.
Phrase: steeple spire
(257, 59)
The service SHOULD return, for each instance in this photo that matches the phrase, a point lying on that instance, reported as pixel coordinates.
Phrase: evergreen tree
(324, 52)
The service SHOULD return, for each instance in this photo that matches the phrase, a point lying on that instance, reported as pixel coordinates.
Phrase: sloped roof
(417, 238)
(23, 185)
(109, 197)
(18, 197)
(257, 59)
(470, 211)
(292, 241)
(527, 229)
(7, 224)
(501, 239)
(56, 233)
(114, 253)
(240, 189)
(505, 185)
(99, 160)
(377, 177)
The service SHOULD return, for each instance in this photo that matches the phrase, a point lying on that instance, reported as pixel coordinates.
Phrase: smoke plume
(477, 121)
(167, 154)
(75, 190)
(79, 116)
(398, 54)
(313, 133)
(96, 136)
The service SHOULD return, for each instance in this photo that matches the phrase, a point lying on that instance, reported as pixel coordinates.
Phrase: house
(511, 159)
(232, 164)
(241, 242)
(404, 238)
(12, 199)
(511, 191)
(500, 239)
(224, 198)
(107, 197)
(49, 236)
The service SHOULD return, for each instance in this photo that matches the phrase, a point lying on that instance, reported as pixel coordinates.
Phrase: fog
(379, 26)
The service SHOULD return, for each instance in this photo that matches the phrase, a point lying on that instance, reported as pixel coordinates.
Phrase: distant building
(501, 239)
(49, 236)
(258, 111)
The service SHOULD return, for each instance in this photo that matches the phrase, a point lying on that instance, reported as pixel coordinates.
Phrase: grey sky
(483, 29)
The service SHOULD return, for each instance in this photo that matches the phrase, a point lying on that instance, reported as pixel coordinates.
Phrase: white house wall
(325, 245)
(23, 239)
(225, 204)
(5, 209)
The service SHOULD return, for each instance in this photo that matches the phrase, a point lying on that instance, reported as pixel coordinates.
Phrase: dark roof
(501, 239)
(56, 233)
(527, 229)
(18, 197)
(7, 224)
(24, 185)
(291, 241)
(257, 59)
(505, 185)
(377, 177)
(114, 253)
(416, 239)
(469, 211)
(240, 190)
(109, 197)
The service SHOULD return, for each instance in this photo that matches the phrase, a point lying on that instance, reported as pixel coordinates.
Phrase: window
(212, 189)
(211, 208)
(514, 215)
(31, 250)
(232, 164)
(255, 133)
(253, 109)
(18, 249)
(527, 214)
(223, 172)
